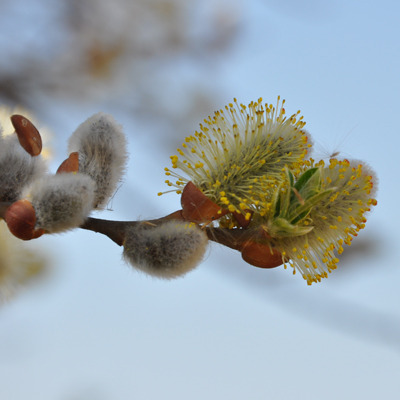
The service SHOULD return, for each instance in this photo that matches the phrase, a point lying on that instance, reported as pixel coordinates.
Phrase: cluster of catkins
(248, 181)
(38, 202)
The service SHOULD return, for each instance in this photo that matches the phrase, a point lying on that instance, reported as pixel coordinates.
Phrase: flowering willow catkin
(165, 251)
(247, 169)
(330, 223)
(101, 145)
(238, 156)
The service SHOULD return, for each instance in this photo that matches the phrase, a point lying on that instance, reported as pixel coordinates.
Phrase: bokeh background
(88, 327)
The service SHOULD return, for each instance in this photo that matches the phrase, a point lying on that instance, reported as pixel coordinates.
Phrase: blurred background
(84, 326)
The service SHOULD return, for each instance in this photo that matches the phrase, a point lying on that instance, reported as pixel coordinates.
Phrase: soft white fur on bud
(62, 201)
(17, 167)
(166, 251)
(101, 145)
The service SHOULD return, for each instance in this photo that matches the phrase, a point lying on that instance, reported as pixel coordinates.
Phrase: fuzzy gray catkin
(166, 251)
(17, 167)
(101, 145)
(61, 202)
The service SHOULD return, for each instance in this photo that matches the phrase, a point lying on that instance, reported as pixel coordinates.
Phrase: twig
(115, 230)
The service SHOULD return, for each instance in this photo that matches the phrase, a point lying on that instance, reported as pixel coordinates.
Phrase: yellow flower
(238, 157)
(251, 161)
(328, 224)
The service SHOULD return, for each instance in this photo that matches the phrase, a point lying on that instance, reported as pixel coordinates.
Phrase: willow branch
(115, 230)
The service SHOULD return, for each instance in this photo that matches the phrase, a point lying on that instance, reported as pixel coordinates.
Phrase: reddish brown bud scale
(175, 215)
(261, 255)
(28, 136)
(21, 219)
(71, 164)
(197, 207)
(241, 219)
(37, 233)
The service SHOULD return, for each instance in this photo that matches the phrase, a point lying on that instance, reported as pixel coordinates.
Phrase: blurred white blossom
(18, 265)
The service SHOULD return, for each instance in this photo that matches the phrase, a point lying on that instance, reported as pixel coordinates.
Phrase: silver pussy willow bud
(165, 251)
(17, 167)
(61, 202)
(101, 145)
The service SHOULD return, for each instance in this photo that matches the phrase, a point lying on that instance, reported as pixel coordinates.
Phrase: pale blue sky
(96, 330)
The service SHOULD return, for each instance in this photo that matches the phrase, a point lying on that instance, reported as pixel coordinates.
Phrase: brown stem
(115, 230)
(233, 238)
